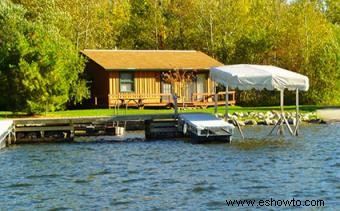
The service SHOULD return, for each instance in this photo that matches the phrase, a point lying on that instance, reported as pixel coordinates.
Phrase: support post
(14, 134)
(281, 100)
(296, 132)
(282, 120)
(282, 112)
(175, 104)
(215, 98)
(226, 102)
(283, 115)
(9, 140)
(174, 98)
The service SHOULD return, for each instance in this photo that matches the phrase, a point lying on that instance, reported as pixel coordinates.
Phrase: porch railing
(139, 100)
(165, 99)
(208, 98)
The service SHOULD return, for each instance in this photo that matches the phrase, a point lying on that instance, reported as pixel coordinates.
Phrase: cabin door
(201, 85)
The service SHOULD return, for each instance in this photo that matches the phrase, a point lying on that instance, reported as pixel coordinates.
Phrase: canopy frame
(280, 123)
(300, 82)
(283, 118)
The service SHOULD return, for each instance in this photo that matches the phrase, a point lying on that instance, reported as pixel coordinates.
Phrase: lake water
(172, 174)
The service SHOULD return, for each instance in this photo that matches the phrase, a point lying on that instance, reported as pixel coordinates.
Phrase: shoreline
(329, 115)
(244, 118)
(248, 116)
(67, 128)
(271, 118)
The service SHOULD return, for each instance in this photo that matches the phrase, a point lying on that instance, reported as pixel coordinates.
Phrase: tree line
(40, 65)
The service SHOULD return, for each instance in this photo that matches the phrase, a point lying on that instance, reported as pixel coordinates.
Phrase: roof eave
(152, 69)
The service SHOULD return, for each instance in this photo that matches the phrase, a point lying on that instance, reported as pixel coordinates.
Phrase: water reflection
(172, 174)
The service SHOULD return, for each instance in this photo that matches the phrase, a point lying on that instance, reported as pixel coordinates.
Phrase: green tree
(87, 23)
(300, 35)
(309, 46)
(39, 69)
(138, 32)
(332, 10)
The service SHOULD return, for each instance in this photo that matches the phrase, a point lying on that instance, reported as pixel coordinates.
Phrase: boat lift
(259, 77)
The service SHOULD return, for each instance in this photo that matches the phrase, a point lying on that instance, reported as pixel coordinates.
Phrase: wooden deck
(201, 100)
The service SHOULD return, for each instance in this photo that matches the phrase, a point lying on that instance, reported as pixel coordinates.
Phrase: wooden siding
(147, 92)
(145, 84)
(148, 85)
(114, 83)
(99, 83)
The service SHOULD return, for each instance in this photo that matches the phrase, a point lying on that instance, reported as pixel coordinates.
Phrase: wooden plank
(60, 121)
(110, 84)
(158, 82)
(42, 140)
(85, 120)
(115, 82)
(163, 130)
(142, 117)
(155, 104)
(148, 82)
(42, 128)
(163, 124)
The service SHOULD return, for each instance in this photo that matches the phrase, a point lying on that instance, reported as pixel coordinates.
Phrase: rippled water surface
(172, 174)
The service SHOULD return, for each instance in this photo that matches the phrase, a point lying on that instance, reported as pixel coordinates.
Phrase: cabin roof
(151, 59)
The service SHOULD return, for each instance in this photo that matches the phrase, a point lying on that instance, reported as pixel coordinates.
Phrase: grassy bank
(133, 111)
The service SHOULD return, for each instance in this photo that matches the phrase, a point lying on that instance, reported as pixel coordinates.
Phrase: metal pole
(282, 114)
(226, 102)
(297, 102)
(215, 98)
(281, 100)
(284, 120)
(296, 132)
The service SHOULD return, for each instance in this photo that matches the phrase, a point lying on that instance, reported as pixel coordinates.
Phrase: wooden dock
(66, 129)
(157, 126)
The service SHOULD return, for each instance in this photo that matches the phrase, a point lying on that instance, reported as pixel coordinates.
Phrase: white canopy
(245, 77)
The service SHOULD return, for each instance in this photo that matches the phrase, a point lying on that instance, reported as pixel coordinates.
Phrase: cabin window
(127, 82)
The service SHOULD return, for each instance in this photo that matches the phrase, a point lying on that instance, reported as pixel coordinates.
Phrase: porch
(200, 100)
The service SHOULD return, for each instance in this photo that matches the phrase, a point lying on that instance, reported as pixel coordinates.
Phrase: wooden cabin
(137, 78)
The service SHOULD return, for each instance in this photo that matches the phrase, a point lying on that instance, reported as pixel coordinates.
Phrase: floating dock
(202, 127)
